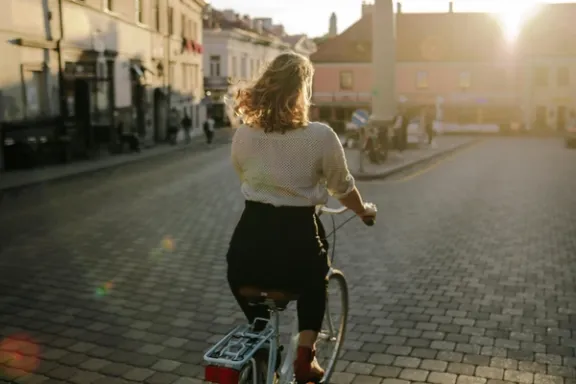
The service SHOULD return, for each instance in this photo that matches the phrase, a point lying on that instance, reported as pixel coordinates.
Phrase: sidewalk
(397, 162)
(28, 177)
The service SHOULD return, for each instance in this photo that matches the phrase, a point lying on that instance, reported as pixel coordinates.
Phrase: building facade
(459, 65)
(83, 75)
(548, 68)
(237, 48)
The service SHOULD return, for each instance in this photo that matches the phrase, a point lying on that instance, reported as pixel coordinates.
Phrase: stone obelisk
(384, 99)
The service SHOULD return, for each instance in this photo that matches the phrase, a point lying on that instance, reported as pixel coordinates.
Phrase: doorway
(159, 115)
(561, 118)
(540, 118)
(84, 134)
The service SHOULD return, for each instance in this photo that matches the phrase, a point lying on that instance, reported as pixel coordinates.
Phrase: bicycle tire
(337, 277)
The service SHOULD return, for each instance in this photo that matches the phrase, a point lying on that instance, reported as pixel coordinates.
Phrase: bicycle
(236, 358)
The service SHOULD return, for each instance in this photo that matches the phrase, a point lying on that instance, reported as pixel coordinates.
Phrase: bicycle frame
(232, 353)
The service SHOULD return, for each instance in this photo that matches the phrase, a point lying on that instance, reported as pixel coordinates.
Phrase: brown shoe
(306, 367)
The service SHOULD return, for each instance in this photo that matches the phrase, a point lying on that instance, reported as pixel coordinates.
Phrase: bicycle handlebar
(369, 221)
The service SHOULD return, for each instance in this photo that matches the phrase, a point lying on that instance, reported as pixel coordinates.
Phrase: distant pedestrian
(173, 126)
(209, 129)
(187, 125)
(401, 131)
(429, 126)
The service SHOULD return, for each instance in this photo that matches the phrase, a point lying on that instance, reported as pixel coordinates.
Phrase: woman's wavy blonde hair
(280, 99)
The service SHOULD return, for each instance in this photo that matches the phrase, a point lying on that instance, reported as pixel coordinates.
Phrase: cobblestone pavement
(468, 276)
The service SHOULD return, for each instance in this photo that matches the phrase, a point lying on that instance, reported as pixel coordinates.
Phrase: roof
(294, 39)
(217, 19)
(354, 45)
(457, 37)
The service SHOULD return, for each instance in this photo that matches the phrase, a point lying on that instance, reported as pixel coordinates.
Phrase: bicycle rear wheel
(331, 337)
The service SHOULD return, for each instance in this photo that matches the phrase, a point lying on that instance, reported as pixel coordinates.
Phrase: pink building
(461, 61)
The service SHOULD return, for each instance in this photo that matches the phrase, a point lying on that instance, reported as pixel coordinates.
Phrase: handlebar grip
(369, 221)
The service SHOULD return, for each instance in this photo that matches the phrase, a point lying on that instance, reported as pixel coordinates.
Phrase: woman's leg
(311, 308)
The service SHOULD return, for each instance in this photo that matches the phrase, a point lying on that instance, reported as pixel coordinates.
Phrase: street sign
(360, 117)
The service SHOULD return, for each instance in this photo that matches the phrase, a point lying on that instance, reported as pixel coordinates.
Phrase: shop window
(100, 94)
(35, 100)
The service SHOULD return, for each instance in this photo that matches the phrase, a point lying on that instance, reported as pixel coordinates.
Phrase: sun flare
(513, 16)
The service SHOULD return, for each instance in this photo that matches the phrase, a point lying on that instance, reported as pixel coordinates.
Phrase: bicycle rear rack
(239, 345)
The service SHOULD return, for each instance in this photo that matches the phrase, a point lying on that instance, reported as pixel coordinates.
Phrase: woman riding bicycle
(287, 166)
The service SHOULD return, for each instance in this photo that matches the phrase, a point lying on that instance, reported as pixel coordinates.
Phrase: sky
(312, 16)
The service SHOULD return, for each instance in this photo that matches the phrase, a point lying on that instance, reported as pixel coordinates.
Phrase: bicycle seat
(259, 296)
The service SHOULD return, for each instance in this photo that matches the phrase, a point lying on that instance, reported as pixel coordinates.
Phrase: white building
(78, 76)
(236, 50)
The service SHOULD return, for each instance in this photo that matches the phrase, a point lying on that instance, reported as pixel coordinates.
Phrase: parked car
(570, 138)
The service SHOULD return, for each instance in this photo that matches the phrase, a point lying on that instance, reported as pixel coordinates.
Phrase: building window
(465, 80)
(234, 67)
(157, 15)
(183, 25)
(139, 11)
(346, 80)
(194, 30)
(422, 79)
(540, 77)
(215, 66)
(109, 5)
(170, 20)
(563, 77)
(243, 67)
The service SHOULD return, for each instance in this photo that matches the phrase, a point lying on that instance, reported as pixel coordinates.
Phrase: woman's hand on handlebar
(368, 215)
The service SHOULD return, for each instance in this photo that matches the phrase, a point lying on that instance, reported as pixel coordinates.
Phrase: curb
(402, 167)
(104, 167)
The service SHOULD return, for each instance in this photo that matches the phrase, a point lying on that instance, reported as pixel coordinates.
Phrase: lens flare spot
(168, 244)
(104, 289)
(19, 356)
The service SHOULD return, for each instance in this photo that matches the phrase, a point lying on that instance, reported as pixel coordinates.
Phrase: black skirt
(277, 248)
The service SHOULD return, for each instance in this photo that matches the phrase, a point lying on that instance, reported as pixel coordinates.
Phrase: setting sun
(513, 16)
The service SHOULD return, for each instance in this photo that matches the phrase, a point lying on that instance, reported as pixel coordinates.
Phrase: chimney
(258, 26)
(398, 7)
(366, 8)
(451, 7)
(248, 21)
